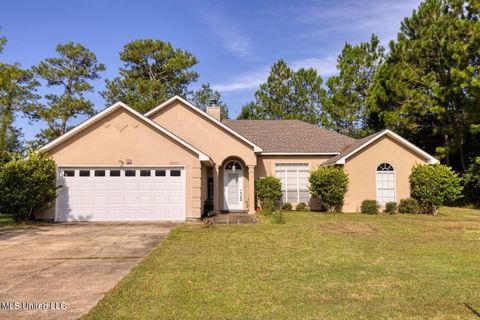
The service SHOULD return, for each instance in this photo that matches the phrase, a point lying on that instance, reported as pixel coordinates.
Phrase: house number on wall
(174, 163)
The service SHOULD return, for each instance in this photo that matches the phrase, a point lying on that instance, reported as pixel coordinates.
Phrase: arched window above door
(385, 167)
(233, 165)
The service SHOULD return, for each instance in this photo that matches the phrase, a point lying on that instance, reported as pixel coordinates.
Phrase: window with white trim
(385, 183)
(294, 178)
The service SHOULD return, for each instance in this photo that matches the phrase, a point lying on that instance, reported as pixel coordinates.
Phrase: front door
(233, 182)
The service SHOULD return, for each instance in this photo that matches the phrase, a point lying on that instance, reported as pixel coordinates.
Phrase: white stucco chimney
(214, 110)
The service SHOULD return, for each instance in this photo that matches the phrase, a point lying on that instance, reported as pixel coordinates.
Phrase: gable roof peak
(219, 123)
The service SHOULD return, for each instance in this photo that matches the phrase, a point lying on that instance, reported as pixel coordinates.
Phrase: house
(164, 165)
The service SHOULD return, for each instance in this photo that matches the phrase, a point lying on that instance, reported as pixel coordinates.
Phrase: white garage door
(121, 194)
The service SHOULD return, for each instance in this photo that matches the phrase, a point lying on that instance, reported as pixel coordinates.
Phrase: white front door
(233, 193)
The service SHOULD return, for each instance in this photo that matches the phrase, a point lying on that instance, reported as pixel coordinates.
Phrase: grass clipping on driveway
(316, 266)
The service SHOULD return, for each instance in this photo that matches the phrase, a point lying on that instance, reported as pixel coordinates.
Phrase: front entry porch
(231, 187)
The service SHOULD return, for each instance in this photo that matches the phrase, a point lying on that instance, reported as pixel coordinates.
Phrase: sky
(236, 42)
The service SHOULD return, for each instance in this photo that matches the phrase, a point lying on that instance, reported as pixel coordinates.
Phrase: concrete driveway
(69, 267)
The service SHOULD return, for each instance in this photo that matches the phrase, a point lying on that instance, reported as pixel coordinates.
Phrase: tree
(205, 96)
(153, 71)
(345, 105)
(28, 186)
(3, 41)
(434, 185)
(17, 94)
(250, 110)
(71, 73)
(329, 185)
(288, 94)
(472, 182)
(428, 89)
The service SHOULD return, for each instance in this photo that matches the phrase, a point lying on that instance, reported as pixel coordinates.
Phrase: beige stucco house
(164, 165)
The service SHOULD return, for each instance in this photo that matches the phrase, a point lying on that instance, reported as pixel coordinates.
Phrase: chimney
(214, 110)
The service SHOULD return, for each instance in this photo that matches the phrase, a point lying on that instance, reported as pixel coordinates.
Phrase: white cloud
(327, 18)
(244, 81)
(229, 35)
(326, 66)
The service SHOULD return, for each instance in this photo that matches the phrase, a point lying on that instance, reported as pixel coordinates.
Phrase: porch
(230, 188)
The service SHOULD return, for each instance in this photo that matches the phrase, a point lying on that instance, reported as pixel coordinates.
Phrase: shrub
(369, 207)
(269, 193)
(434, 185)
(302, 206)
(287, 206)
(28, 186)
(391, 207)
(408, 205)
(329, 185)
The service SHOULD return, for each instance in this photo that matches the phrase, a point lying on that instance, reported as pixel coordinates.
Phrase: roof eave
(201, 156)
(430, 159)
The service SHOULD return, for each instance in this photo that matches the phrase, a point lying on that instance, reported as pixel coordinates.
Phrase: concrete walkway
(68, 267)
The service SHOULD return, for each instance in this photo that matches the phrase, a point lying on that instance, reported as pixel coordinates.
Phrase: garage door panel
(100, 186)
(83, 185)
(160, 186)
(145, 200)
(146, 186)
(113, 198)
(175, 185)
(115, 186)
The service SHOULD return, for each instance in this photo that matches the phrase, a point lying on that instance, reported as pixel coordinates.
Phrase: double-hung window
(294, 178)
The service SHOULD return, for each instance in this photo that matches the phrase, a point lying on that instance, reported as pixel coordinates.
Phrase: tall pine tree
(71, 74)
(345, 105)
(428, 89)
(288, 94)
(153, 71)
(205, 96)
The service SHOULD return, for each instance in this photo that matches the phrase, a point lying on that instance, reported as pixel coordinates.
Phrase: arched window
(385, 183)
(233, 165)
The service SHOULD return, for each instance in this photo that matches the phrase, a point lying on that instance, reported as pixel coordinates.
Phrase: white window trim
(285, 170)
(394, 183)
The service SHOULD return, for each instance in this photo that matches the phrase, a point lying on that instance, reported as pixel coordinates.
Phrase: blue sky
(235, 42)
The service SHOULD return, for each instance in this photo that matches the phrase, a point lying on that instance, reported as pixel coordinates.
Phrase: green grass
(316, 266)
(7, 223)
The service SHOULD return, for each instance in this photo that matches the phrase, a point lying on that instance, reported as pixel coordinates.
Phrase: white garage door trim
(181, 217)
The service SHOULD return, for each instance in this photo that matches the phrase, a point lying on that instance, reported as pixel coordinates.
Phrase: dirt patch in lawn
(347, 227)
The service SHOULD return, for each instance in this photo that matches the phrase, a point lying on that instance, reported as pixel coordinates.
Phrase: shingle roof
(292, 136)
(355, 145)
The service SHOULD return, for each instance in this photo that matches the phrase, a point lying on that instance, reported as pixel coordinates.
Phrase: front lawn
(316, 266)
(7, 223)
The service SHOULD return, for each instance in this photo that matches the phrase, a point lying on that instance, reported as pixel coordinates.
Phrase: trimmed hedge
(329, 185)
(302, 206)
(408, 205)
(391, 207)
(287, 206)
(369, 207)
(434, 185)
(269, 193)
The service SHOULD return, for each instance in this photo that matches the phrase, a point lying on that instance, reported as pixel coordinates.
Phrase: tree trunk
(462, 156)
(446, 142)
